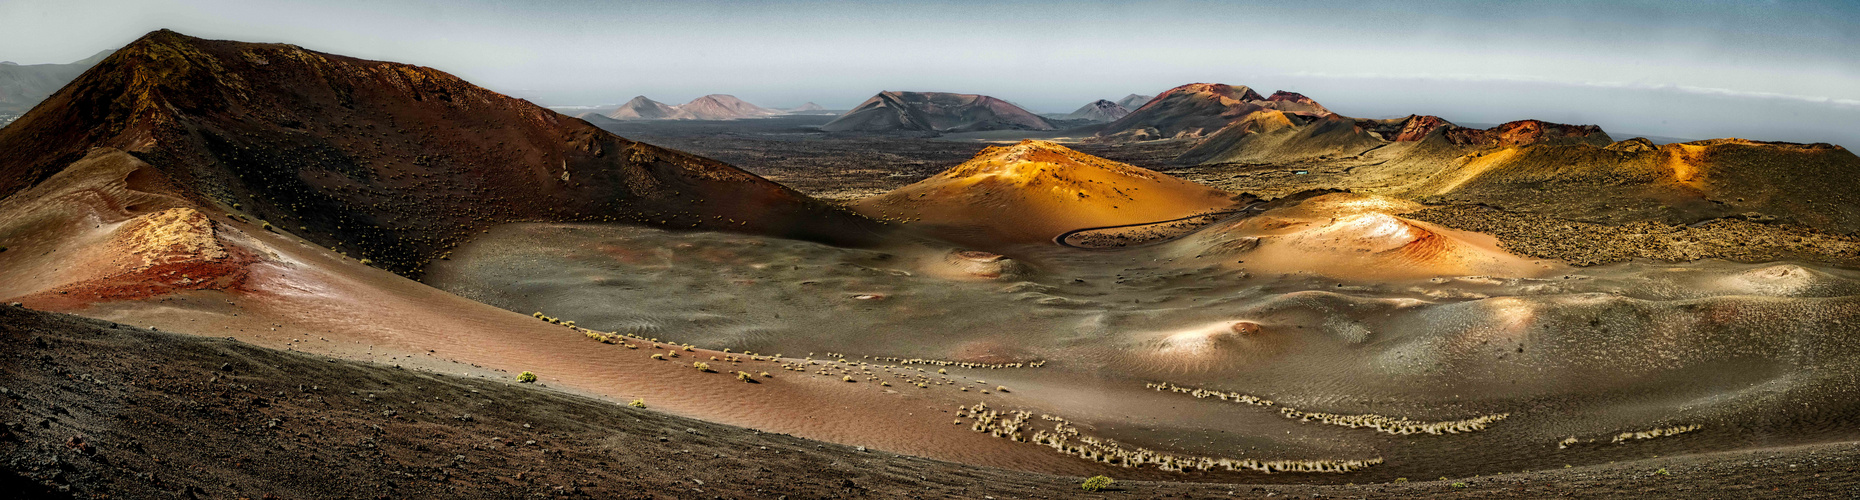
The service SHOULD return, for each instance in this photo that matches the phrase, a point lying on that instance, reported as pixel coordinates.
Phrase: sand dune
(1035, 190)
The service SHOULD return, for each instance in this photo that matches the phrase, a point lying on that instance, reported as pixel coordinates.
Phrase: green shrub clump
(701, 366)
(1097, 483)
(526, 377)
(637, 403)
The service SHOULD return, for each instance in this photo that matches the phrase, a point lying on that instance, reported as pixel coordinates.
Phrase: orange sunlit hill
(290, 264)
(1034, 190)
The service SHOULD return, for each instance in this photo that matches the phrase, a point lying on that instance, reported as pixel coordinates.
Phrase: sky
(1692, 69)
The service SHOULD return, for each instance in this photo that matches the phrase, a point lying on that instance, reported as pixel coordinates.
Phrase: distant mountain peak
(642, 108)
(1101, 110)
(935, 112)
(1134, 101)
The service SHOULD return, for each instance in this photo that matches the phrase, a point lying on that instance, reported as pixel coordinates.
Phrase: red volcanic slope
(391, 162)
(1416, 127)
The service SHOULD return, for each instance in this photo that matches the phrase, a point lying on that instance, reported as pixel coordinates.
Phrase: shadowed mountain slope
(391, 162)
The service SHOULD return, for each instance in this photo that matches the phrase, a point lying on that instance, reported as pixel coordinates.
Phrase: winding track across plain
(1241, 212)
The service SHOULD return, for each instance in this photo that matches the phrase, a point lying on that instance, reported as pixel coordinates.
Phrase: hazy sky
(1775, 70)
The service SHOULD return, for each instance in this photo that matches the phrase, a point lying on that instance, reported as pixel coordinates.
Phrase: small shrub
(746, 377)
(1097, 483)
(1459, 485)
(848, 378)
(1001, 388)
(766, 375)
(660, 357)
(526, 378)
(701, 366)
(637, 403)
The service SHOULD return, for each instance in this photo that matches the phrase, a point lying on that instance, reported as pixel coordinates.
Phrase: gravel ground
(92, 409)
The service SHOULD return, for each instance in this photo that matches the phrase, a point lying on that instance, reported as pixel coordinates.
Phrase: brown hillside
(392, 162)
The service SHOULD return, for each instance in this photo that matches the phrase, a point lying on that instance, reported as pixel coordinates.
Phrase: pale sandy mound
(1035, 190)
(1352, 236)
